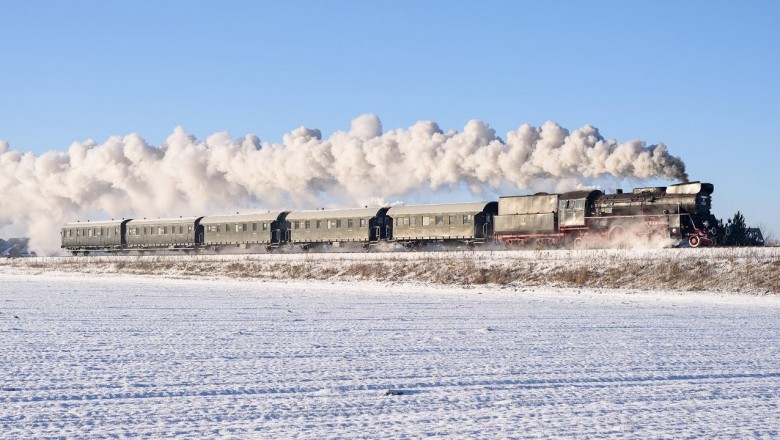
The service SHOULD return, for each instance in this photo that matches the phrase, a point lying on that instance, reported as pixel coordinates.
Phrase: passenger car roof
(249, 217)
(164, 221)
(441, 208)
(336, 213)
(96, 224)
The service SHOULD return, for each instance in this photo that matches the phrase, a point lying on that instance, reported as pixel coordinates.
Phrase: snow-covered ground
(104, 356)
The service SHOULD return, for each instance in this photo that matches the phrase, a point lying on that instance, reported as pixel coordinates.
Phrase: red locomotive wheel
(694, 241)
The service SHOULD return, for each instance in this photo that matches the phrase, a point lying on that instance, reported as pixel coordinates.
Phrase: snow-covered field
(116, 355)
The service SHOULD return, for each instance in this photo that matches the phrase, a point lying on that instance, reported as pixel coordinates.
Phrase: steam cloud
(127, 177)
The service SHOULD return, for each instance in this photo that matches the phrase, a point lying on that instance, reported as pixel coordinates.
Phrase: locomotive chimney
(618, 191)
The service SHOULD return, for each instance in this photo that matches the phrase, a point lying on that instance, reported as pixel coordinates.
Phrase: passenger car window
(426, 220)
(362, 222)
(350, 223)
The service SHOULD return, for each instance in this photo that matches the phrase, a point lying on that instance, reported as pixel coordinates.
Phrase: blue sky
(701, 77)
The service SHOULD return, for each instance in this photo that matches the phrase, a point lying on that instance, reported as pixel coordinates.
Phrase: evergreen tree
(736, 230)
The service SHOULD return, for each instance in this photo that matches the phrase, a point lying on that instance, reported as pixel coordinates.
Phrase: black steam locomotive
(678, 213)
(673, 215)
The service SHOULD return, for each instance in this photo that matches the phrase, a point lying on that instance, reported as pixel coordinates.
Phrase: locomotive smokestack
(619, 191)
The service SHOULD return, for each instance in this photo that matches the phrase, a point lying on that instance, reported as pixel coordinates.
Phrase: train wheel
(694, 241)
(366, 247)
(408, 246)
(579, 243)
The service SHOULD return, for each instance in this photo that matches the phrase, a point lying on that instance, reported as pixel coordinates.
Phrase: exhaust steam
(125, 176)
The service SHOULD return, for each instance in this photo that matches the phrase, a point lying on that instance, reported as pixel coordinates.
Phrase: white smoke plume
(127, 177)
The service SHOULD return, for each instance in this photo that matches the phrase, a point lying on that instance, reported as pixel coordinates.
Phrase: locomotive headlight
(674, 230)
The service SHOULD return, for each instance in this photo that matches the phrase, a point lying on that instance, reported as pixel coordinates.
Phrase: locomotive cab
(574, 207)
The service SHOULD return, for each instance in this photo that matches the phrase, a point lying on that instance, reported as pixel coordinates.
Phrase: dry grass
(741, 270)
(574, 277)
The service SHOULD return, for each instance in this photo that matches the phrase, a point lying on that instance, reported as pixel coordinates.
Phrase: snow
(116, 355)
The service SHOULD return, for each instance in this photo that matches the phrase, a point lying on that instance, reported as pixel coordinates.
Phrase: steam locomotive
(677, 214)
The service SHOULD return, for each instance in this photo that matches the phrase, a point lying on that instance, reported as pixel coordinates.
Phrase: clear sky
(699, 76)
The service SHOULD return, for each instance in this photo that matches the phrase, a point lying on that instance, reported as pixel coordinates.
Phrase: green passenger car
(85, 237)
(184, 233)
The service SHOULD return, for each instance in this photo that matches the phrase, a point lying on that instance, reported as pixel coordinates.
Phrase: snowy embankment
(128, 356)
(743, 270)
